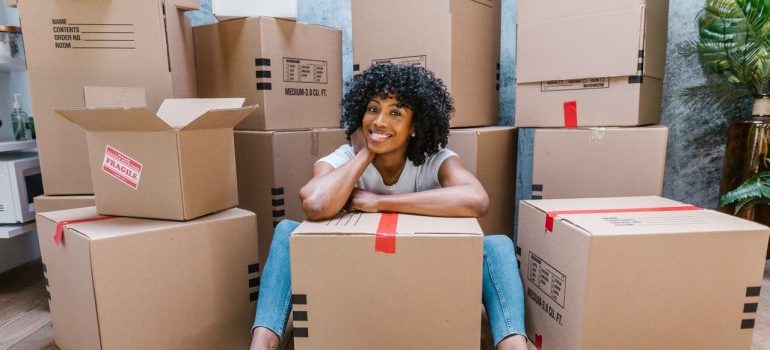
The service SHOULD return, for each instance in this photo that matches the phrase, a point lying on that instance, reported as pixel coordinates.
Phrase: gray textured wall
(697, 135)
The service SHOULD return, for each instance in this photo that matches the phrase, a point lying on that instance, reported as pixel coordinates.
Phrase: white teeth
(375, 136)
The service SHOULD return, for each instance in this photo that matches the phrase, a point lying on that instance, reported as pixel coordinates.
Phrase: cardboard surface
(459, 40)
(617, 54)
(609, 280)
(598, 162)
(293, 71)
(230, 9)
(113, 285)
(490, 154)
(424, 296)
(178, 165)
(272, 167)
(44, 204)
(98, 43)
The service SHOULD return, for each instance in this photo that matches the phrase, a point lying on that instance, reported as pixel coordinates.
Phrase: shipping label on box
(604, 273)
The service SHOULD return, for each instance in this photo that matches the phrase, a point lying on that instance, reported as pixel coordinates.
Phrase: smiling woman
(397, 120)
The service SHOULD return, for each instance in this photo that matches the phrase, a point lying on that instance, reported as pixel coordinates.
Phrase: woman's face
(387, 125)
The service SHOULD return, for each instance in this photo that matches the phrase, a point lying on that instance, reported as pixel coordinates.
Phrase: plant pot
(746, 155)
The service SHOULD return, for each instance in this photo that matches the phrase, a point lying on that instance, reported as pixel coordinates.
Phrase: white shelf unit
(10, 231)
(8, 64)
(9, 146)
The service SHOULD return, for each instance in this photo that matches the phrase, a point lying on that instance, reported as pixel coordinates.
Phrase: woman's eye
(372, 110)
(395, 113)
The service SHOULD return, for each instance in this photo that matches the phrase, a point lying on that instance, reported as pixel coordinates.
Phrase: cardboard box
(272, 168)
(129, 43)
(124, 283)
(613, 74)
(293, 71)
(424, 293)
(44, 204)
(230, 9)
(459, 40)
(490, 154)
(176, 165)
(608, 273)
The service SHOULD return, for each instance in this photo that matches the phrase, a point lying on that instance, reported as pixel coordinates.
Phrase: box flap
(557, 50)
(115, 119)
(113, 96)
(221, 118)
(179, 112)
(639, 215)
(187, 4)
(368, 223)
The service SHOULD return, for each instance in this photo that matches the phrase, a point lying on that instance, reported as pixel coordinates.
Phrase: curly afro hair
(415, 88)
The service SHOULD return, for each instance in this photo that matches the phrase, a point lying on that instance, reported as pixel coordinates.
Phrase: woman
(397, 119)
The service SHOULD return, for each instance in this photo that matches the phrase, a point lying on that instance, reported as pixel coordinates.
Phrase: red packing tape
(539, 341)
(551, 215)
(570, 114)
(385, 240)
(58, 236)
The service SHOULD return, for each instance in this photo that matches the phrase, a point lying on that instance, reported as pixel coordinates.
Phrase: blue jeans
(502, 293)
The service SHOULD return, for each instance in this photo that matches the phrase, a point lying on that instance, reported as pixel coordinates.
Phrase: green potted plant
(734, 51)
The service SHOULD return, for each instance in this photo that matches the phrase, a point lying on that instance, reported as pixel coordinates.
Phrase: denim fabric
(501, 290)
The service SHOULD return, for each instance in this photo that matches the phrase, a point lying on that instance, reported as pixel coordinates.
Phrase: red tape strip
(570, 114)
(551, 215)
(385, 240)
(58, 236)
(539, 341)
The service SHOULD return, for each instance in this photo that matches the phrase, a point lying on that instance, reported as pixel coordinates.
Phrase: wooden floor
(25, 323)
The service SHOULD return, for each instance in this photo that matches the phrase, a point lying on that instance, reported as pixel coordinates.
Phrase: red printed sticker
(122, 167)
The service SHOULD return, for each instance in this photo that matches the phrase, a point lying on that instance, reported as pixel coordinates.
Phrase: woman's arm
(461, 194)
(329, 189)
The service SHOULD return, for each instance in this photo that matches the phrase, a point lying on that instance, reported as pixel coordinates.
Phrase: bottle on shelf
(18, 119)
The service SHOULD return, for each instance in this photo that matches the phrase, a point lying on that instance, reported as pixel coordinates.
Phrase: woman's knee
(498, 245)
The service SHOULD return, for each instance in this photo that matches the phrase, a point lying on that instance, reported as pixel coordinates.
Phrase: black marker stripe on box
(253, 296)
(278, 202)
(641, 53)
(537, 197)
(264, 86)
(635, 79)
(747, 324)
(300, 315)
(537, 187)
(254, 268)
(750, 307)
(254, 282)
(279, 213)
(299, 299)
(262, 62)
(753, 291)
(264, 74)
(300, 333)
(276, 191)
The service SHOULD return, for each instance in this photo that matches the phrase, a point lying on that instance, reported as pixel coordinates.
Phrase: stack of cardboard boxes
(459, 41)
(293, 71)
(588, 87)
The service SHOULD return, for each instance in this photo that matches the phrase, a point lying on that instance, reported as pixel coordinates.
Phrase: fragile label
(122, 167)
(300, 70)
(419, 61)
(81, 35)
(575, 84)
(547, 278)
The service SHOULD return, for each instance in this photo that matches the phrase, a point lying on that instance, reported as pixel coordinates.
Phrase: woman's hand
(358, 140)
(364, 201)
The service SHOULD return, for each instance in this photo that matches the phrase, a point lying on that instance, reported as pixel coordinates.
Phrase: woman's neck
(390, 165)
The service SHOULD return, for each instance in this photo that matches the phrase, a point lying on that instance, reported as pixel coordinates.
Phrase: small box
(176, 165)
(387, 281)
(607, 273)
(230, 9)
(597, 67)
(125, 283)
(293, 71)
(272, 168)
(70, 44)
(458, 40)
(490, 154)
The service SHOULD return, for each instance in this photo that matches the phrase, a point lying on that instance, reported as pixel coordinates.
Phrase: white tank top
(413, 178)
